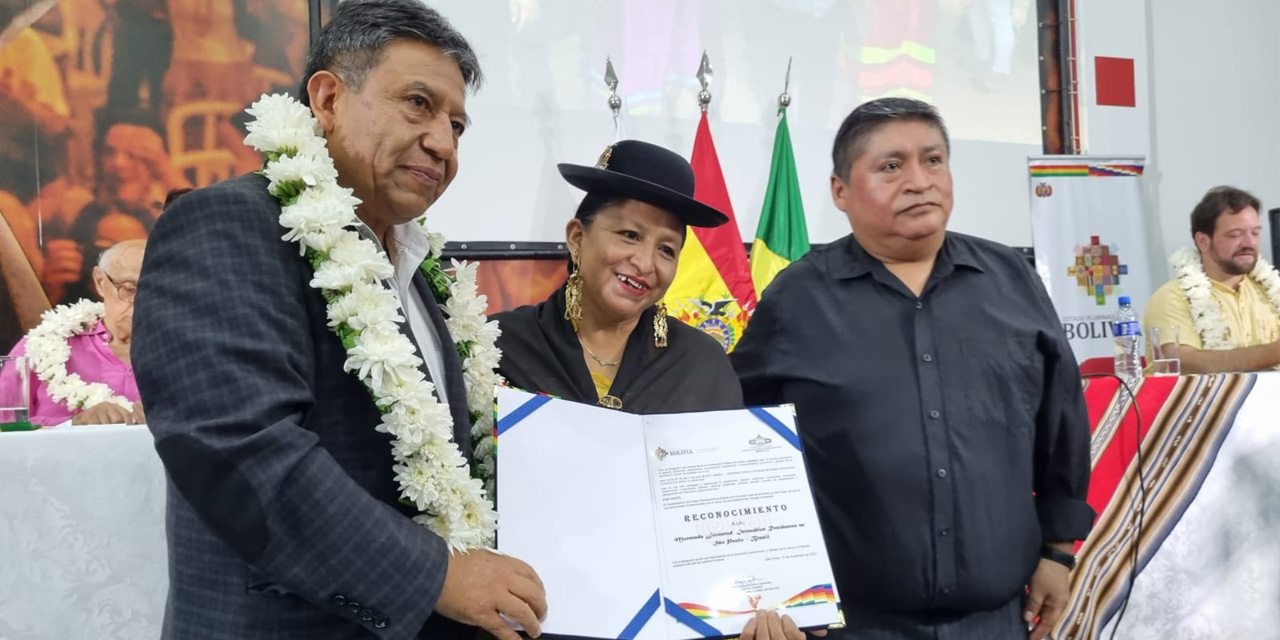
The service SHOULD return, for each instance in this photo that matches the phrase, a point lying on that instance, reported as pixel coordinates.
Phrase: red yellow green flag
(712, 290)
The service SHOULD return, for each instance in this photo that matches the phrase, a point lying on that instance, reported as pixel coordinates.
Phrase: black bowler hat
(648, 173)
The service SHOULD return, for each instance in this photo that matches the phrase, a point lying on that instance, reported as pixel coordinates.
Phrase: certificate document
(668, 527)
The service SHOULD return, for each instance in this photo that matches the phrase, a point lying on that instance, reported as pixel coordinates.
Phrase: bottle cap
(1124, 300)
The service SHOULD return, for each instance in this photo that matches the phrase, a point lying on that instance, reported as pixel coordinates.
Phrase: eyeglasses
(126, 291)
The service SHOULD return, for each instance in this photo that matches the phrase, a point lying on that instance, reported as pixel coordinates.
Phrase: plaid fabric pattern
(283, 520)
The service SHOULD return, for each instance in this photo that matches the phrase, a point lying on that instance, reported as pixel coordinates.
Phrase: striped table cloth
(1208, 559)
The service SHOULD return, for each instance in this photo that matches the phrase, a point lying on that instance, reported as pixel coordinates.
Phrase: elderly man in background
(99, 354)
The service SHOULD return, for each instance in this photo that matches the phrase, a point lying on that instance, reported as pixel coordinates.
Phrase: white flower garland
(48, 351)
(318, 213)
(1205, 314)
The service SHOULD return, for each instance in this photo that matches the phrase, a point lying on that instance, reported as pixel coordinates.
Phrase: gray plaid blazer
(282, 517)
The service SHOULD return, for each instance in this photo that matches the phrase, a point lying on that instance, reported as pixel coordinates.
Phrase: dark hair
(1220, 200)
(351, 45)
(869, 117)
(595, 202)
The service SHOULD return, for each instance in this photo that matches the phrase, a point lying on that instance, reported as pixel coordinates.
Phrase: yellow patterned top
(603, 383)
(1248, 313)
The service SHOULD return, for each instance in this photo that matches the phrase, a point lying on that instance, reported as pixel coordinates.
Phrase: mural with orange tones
(106, 106)
(511, 283)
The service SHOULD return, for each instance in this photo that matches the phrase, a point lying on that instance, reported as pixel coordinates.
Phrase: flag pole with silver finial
(704, 78)
(615, 102)
(784, 100)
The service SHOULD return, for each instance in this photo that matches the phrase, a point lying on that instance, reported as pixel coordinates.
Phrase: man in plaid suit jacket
(283, 519)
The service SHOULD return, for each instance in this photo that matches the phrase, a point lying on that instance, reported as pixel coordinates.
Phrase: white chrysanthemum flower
(121, 402)
(364, 305)
(277, 111)
(352, 260)
(475, 372)
(464, 274)
(407, 428)
(314, 146)
(71, 389)
(291, 141)
(309, 170)
(340, 195)
(415, 393)
(463, 327)
(430, 469)
(483, 426)
(469, 520)
(416, 483)
(402, 452)
(48, 351)
(379, 354)
(1208, 320)
(316, 210)
(322, 241)
(335, 276)
(95, 394)
(481, 395)
(485, 447)
(48, 356)
(279, 122)
(488, 334)
(361, 254)
(437, 242)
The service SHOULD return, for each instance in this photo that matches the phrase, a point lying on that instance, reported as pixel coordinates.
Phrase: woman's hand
(768, 625)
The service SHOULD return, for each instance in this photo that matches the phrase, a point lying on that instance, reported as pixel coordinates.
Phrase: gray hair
(868, 118)
(352, 44)
(108, 257)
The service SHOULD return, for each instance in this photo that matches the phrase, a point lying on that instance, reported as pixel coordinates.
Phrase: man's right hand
(481, 587)
(108, 413)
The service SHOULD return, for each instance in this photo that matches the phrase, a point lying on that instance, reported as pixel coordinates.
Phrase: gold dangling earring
(660, 326)
(573, 296)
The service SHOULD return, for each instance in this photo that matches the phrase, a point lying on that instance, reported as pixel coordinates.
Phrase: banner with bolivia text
(1088, 227)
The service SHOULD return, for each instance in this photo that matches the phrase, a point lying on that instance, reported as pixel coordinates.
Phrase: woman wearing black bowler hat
(604, 337)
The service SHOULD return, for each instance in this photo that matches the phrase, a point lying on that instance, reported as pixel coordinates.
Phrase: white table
(82, 545)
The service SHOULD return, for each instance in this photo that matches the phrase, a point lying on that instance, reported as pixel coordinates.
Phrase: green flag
(781, 237)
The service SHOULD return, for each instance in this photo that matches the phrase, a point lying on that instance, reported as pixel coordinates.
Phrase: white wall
(1215, 116)
(1117, 29)
(1208, 103)
(546, 103)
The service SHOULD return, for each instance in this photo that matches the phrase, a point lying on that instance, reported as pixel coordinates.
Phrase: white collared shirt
(407, 247)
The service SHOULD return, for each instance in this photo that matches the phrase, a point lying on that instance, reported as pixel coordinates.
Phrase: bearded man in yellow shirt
(1224, 297)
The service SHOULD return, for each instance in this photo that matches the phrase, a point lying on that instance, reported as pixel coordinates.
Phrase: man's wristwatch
(1059, 556)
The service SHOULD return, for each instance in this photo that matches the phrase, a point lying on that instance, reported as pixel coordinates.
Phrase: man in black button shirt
(938, 400)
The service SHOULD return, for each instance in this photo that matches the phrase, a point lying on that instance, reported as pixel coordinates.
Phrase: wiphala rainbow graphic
(820, 594)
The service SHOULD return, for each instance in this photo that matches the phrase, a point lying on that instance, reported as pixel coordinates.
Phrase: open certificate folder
(666, 527)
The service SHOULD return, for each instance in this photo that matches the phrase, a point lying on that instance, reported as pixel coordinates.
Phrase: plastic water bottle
(1128, 335)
